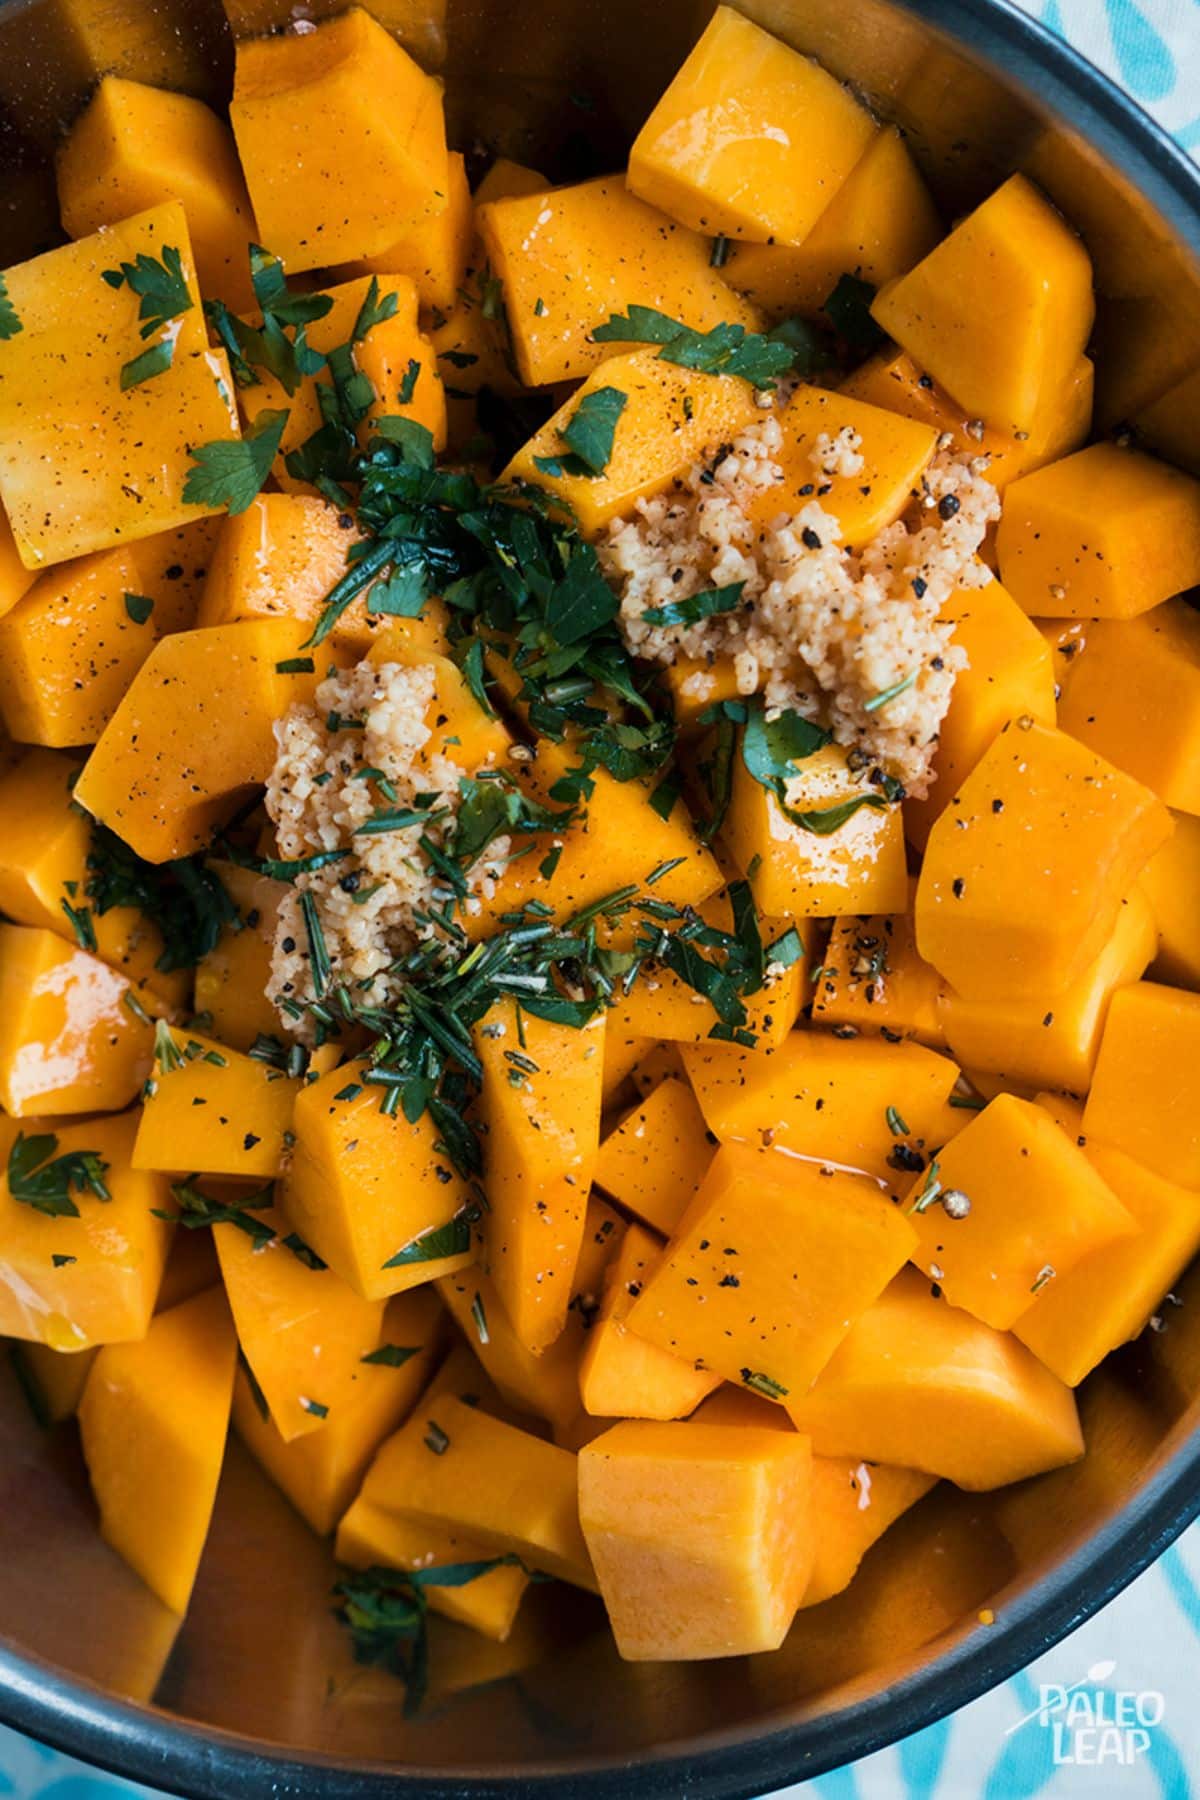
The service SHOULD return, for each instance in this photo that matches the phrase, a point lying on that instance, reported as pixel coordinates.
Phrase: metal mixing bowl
(255, 1694)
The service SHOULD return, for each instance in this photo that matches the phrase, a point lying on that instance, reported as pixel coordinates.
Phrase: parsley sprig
(162, 290)
(757, 357)
(40, 1178)
(386, 1612)
(183, 900)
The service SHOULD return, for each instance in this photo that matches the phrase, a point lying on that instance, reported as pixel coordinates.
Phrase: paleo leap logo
(1093, 1726)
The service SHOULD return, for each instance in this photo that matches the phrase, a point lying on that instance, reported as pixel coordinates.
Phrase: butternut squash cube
(621, 1375)
(920, 1383)
(873, 979)
(74, 1035)
(879, 223)
(1134, 698)
(279, 559)
(1104, 534)
(193, 735)
(769, 1267)
(506, 178)
(212, 1111)
(671, 419)
(799, 873)
(322, 1471)
(154, 1418)
(455, 1467)
(373, 1195)
(701, 1536)
(1026, 868)
(853, 1505)
(1037, 1208)
(385, 355)
(342, 139)
(44, 847)
(1009, 675)
(84, 463)
(541, 1134)
(1171, 883)
(1030, 1042)
(662, 1005)
(892, 379)
(57, 1378)
(623, 1051)
(545, 1385)
(571, 258)
(303, 1332)
(71, 646)
(434, 254)
(1143, 1098)
(894, 452)
(136, 146)
(1001, 311)
(15, 578)
(829, 1099)
(370, 1534)
(233, 977)
(751, 139)
(71, 1282)
(656, 1158)
(1106, 1299)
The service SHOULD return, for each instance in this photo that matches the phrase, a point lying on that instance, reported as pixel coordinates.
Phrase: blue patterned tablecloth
(1112, 1711)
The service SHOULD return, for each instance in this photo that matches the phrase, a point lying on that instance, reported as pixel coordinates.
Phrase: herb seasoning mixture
(599, 929)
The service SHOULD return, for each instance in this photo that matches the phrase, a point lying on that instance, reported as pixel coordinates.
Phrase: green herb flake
(80, 920)
(451, 1239)
(588, 435)
(895, 1123)
(161, 287)
(725, 350)
(40, 1178)
(139, 607)
(314, 1407)
(435, 1438)
(392, 1356)
(892, 693)
(763, 1384)
(230, 473)
(706, 605)
(479, 1319)
(408, 386)
(10, 323)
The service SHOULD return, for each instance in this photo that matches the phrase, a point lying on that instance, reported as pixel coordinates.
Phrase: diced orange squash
(385, 355)
(662, 1005)
(1032, 1042)
(213, 1111)
(454, 1466)
(540, 1113)
(853, 1504)
(506, 178)
(74, 1035)
(1171, 883)
(1027, 866)
(617, 840)
(656, 1158)
(154, 1418)
(1106, 1299)
(303, 1332)
(70, 648)
(802, 874)
(623, 1051)
(85, 463)
(571, 258)
(232, 978)
(372, 1194)
(192, 736)
(545, 1385)
(1134, 698)
(342, 139)
(1009, 675)
(56, 1378)
(1143, 1098)
(278, 559)
(751, 139)
(1168, 423)
(1001, 311)
(920, 1383)
(44, 848)
(370, 1534)
(892, 379)
(420, 25)
(672, 418)
(1104, 534)
(894, 452)
(769, 1267)
(655, 1066)
(622, 1375)
(1037, 1208)
(872, 978)
(434, 254)
(15, 578)
(829, 1099)
(71, 1282)
(695, 685)
(136, 146)
(322, 1471)
(701, 1536)
(879, 223)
